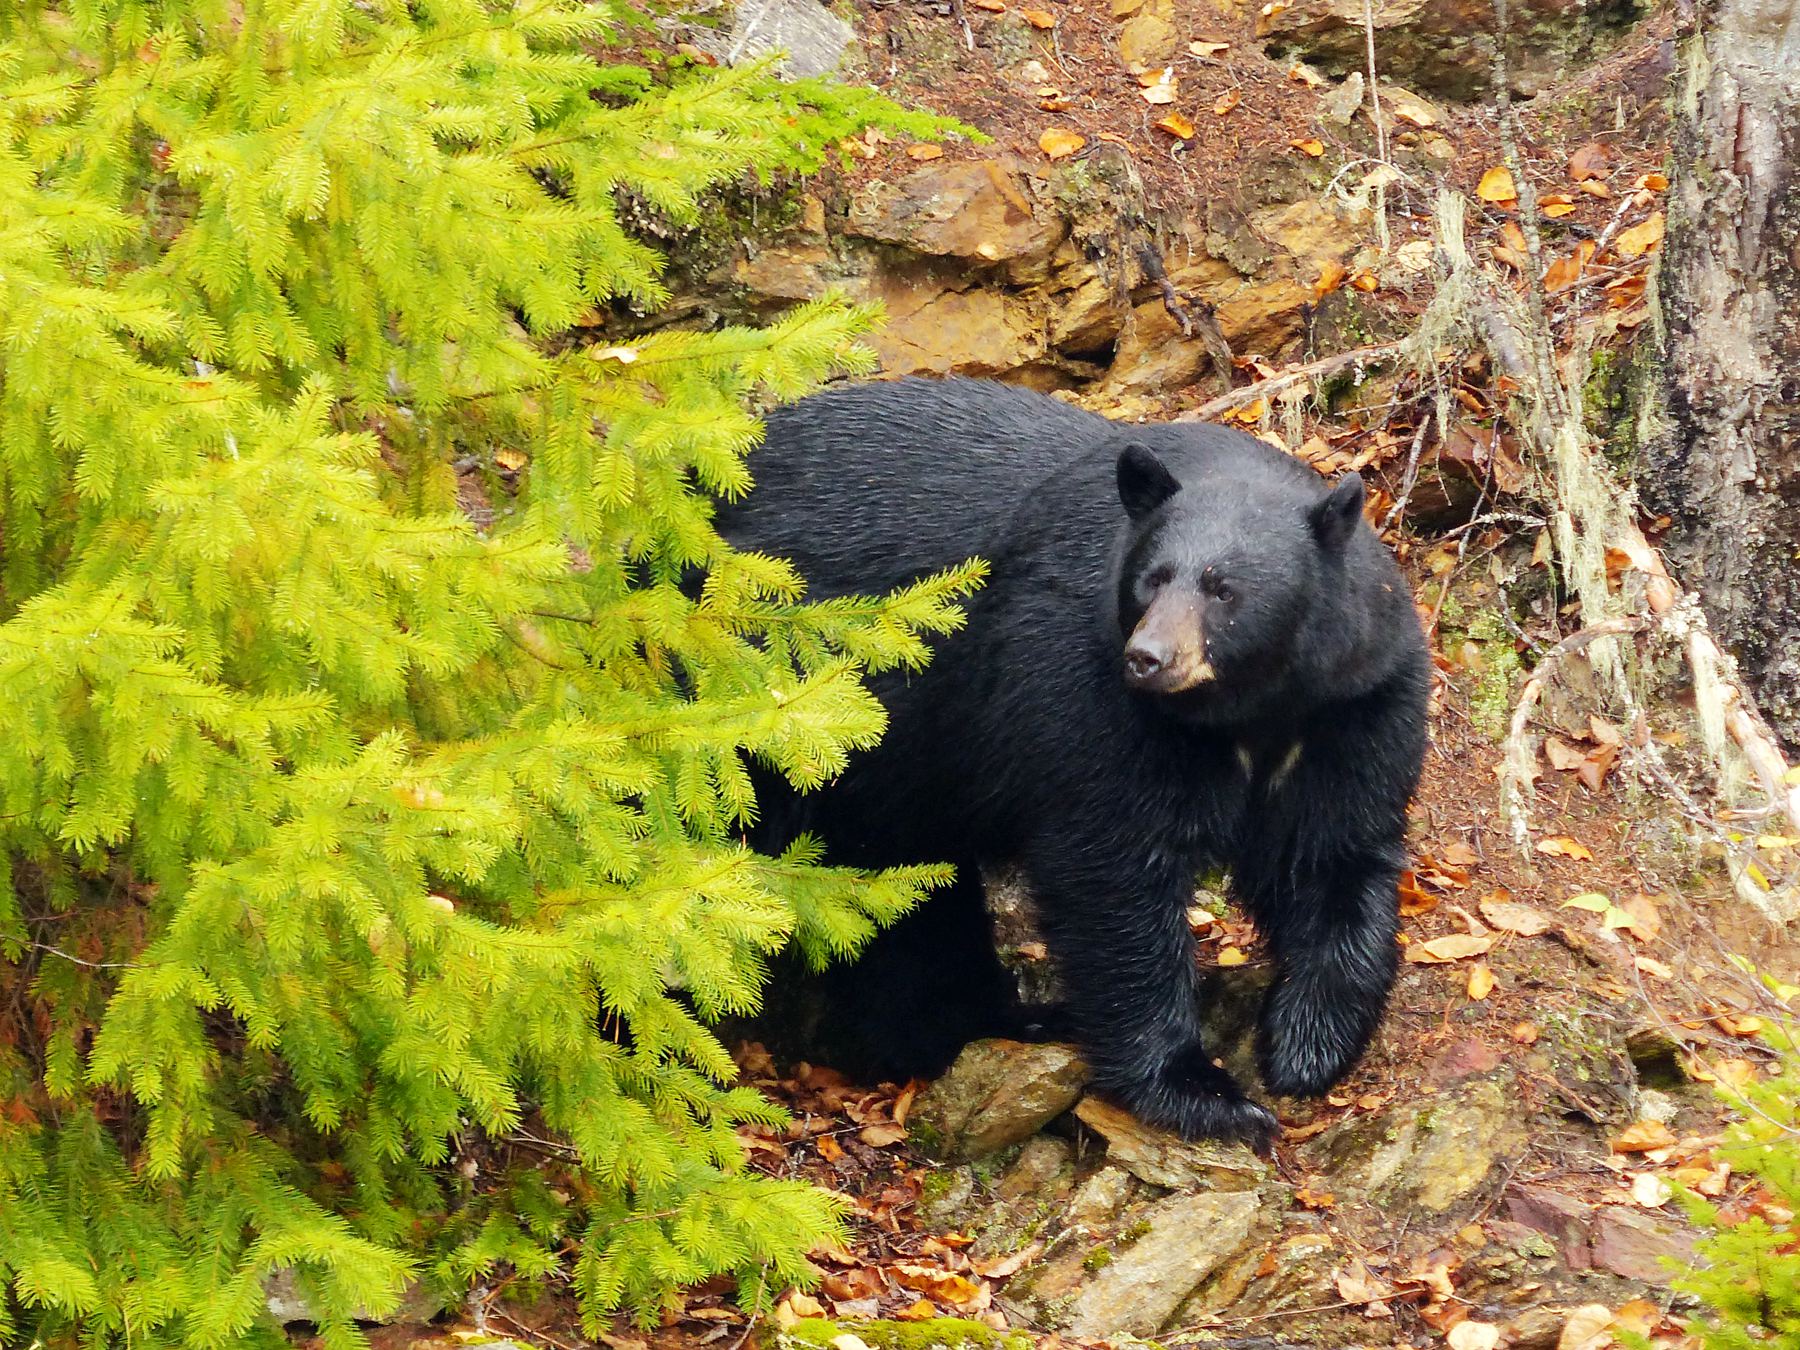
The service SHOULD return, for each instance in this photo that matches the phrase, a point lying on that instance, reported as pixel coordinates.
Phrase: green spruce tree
(371, 795)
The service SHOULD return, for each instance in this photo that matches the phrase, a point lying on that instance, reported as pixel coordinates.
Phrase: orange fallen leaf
(1562, 272)
(922, 1311)
(1176, 125)
(1060, 143)
(1652, 182)
(1562, 846)
(829, 1148)
(804, 1305)
(1248, 414)
(1557, 205)
(1206, 49)
(924, 152)
(1227, 101)
(1641, 238)
(1524, 1033)
(1232, 956)
(1331, 276)
(1315, 1199)
(1366, 281)
(1733, 1025)
(1481, 980)
(1039, 18)
(882, 1134)
(1595, 187)
(991, 6)
(1497, 185)
(1311, 147)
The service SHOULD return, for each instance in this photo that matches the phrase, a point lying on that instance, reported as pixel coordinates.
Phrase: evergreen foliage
(1747, 1273)
(370, 793)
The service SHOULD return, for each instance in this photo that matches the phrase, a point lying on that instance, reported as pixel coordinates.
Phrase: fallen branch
(1518, 758)
(1325, 366)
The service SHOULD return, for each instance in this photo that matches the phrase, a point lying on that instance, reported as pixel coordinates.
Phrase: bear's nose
(1143, 663)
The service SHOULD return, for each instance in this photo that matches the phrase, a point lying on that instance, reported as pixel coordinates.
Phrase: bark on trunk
(1727, 464)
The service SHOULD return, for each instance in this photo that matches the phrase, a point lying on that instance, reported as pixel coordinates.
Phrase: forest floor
(1589, 969)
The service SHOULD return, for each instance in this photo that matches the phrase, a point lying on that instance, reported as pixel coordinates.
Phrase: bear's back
(867, 486)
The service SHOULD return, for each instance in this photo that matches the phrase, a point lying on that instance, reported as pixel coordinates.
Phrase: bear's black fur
(1191, 652)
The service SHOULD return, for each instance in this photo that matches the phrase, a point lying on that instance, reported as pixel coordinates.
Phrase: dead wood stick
(1328, 365)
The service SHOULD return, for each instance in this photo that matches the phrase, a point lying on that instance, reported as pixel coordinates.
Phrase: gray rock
(997, 1093)
(1337, 107)
(813, 38)
(1101, 1197)
(1185, 1239)
(1165, 1159)
(1430, 1154)
(289, 1301)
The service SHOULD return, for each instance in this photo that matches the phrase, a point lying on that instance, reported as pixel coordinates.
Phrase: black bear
(1191, 652)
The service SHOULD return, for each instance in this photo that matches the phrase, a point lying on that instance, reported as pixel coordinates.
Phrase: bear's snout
(1166, 652)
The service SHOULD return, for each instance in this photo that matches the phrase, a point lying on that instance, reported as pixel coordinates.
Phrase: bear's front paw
(1304, 1061)
(1199, 1100)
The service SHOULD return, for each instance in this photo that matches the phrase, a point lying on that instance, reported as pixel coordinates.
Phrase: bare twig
(1412, 474)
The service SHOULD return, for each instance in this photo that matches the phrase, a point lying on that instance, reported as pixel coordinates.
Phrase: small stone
(1033, 72)
(1147, 41)
(1657, 1106)
(1339, 105)
(1165, 1159)
(1536, 1328)
(1098, 1200)
(1185, 1239)
(997, 1093)
(1039, 1175)
(1633, 1244)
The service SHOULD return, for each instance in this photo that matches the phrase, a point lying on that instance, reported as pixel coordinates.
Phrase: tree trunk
(1726, 465)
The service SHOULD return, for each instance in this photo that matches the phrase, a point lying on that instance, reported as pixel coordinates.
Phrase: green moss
(1491, 704)
(1097, 1260)
(954, 1333)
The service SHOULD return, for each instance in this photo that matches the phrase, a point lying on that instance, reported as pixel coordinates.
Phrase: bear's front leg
(1118, 930)
(1331, 925)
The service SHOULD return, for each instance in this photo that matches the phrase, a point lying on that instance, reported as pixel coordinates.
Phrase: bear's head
(1219, 583)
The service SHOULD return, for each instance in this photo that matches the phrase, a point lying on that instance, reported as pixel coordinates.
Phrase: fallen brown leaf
(1060, 143)
(1511, 916)
(1455, 947)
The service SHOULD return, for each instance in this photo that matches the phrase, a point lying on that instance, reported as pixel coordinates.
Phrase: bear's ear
(1335, 518)
(1145, 483)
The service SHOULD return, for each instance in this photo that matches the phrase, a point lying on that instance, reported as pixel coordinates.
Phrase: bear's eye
(1223, 593)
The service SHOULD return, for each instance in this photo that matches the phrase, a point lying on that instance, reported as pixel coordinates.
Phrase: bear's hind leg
(922, 989)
